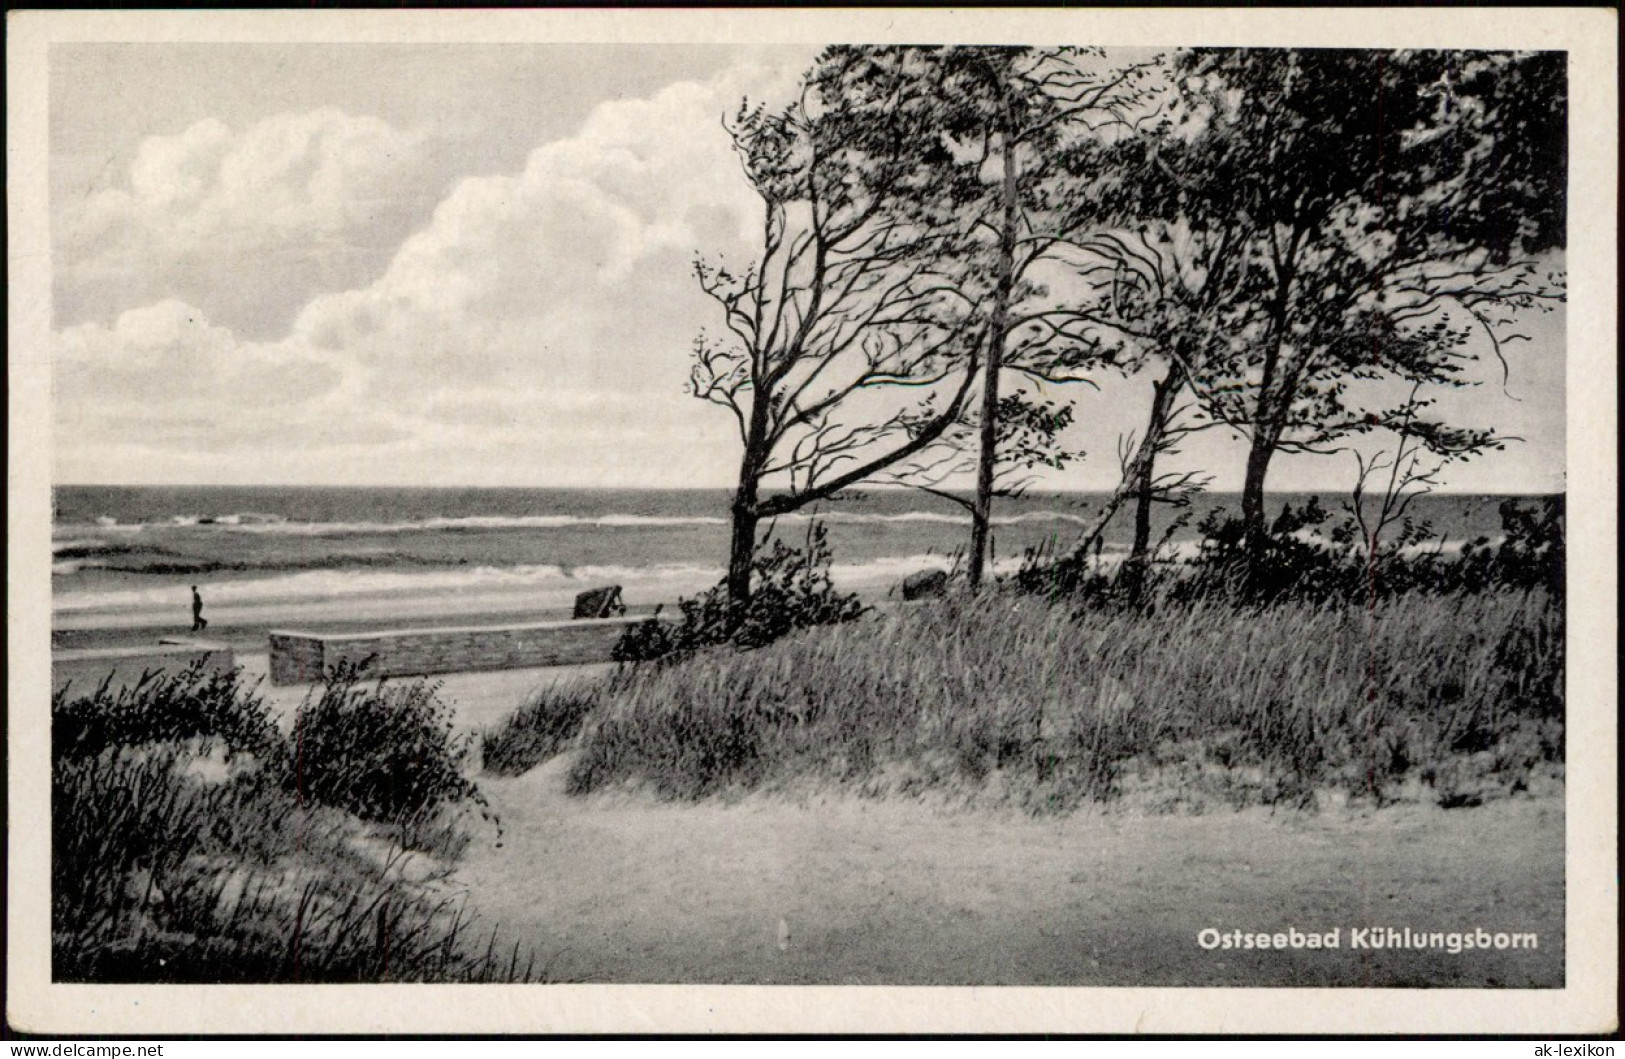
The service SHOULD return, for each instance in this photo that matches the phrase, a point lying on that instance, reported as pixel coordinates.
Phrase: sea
(124, 557)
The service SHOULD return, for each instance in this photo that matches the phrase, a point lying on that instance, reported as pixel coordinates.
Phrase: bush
(385, 753)
(790, 589)
(159, 878)
(1073, 576)
(1294, 566)
(165, 869)
(1289, 564)
(1530, 554)
(191, 704)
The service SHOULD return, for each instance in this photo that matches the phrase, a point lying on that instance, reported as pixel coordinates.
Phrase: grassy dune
(1014, 699)
(191, 842)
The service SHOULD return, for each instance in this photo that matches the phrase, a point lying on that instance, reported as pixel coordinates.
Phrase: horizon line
(1335, 490)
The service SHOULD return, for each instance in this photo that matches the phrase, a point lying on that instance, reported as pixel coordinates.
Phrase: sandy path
(623, 888)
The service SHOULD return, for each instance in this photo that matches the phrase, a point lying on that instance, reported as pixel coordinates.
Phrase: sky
(467, 265)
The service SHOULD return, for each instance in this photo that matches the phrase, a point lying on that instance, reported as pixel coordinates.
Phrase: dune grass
(547, 723)
(188, 845)
(1017, 699)
(163, 708)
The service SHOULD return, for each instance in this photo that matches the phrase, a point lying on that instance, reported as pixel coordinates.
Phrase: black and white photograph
(1024, 505)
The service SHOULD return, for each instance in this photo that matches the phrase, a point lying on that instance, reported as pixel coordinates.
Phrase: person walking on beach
(199, 622)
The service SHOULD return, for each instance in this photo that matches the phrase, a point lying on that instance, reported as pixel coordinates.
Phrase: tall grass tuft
(1054, 707)
(548, 723)
(159, 708)
(388, 752)
(168, 867)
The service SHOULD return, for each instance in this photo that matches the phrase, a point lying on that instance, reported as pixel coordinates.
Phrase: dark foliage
(165, 868)
(1529, 555)
(1295, 566)
(1061, 577)
(190, 704)
(790, 589)
(384, 753)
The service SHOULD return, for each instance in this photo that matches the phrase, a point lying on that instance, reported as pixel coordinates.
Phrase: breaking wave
(382, 584)
(547, 584)
(275, 524)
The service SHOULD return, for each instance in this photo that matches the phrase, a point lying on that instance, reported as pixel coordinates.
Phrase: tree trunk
(1140, 553)
(1252, 491)
(982, 506)
(742, 546)
(746, 511)
(1145, 476)
(987, 457)
(1269, 418)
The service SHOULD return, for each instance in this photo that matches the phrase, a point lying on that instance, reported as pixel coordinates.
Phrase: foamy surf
(349, 595)
(275, 525)
(383, 584)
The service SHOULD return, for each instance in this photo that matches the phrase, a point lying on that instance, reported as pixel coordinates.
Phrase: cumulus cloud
(534, 329)
(562, 293)
(591, 232)
(321, 297)
(246, 224)
(164, 375)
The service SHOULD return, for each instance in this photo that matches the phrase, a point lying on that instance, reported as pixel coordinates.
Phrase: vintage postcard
(812, 521)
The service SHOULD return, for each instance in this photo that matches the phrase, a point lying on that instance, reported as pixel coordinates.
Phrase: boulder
(600, 603)
(926, 584)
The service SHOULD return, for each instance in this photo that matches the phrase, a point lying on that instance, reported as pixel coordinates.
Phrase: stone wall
(303, 658)
(296, 658)
(86, 669)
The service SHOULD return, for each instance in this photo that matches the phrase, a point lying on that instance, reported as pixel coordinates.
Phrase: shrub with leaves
(166, 869)
(1289, 564)
(383, 753)
(1294, 566)
(190, 704)
(791, 589)
(1530, 553)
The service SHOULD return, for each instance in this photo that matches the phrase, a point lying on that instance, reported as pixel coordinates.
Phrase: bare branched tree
(853, 298)
(1151, 290)
(1387, 483)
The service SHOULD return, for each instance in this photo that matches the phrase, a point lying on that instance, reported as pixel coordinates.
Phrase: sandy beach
(249, 638)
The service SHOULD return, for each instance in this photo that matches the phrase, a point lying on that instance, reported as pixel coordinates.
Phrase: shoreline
(253, 637)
